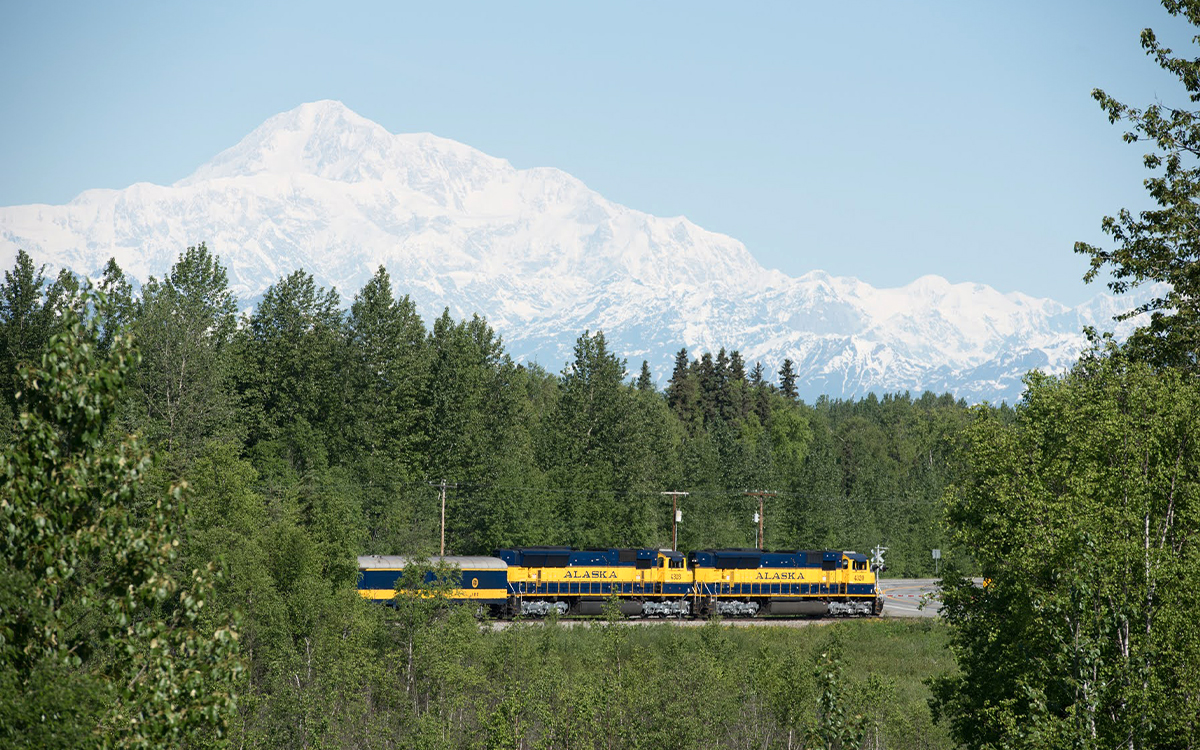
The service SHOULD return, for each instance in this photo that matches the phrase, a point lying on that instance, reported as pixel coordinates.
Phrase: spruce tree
(588, 431)
(739, 389)
(710, 387)
(724, 395)
(682, 395)
(386, 380)
(737, 367)
(757, 376)
(645, 383)
(787, 379)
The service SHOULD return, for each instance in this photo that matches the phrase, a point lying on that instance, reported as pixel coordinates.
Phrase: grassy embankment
(668, 687)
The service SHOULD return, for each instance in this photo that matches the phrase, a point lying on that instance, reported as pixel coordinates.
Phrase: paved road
(904, 597)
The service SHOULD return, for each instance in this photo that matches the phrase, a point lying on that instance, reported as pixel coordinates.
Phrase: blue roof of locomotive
(565, 556)
(756, 558)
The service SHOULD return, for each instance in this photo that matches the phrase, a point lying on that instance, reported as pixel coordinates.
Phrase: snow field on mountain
(543, 258)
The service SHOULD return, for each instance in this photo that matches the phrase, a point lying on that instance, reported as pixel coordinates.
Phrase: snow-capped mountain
(542, 257)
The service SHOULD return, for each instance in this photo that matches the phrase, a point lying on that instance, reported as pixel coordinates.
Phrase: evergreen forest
(359, 416)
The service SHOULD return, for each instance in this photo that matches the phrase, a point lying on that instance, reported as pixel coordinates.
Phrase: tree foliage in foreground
(101, 641)
(1084, 514)
(1161, 244)
(1085, 519)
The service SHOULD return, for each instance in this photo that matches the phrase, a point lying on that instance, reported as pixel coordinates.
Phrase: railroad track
(741, 622)
(902, 597)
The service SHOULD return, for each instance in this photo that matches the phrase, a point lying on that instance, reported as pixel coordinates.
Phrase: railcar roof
(464, 562)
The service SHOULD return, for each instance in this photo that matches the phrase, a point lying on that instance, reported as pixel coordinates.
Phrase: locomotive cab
(860, 584)
(671, 574)
(672, 586)
(671, 560)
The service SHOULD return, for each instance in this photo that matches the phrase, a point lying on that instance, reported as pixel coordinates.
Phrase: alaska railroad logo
(474, 583)
(579, 574)
(784, 576)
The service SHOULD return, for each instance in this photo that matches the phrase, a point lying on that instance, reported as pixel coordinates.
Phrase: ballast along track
(533, 582)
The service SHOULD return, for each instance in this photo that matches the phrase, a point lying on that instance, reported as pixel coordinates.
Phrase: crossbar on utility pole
(760, 494)
(674, 517)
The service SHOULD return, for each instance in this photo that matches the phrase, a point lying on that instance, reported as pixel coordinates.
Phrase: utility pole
(760, 494)
(442, 546)
(676, 517)
(442, 485)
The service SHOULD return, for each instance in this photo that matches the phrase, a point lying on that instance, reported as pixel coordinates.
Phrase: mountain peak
(542, 257)
(322, 108)
(329, 140)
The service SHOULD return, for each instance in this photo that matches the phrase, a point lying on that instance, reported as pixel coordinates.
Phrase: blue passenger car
(484, 580)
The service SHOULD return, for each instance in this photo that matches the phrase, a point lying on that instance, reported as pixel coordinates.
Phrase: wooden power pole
(762, 540)
(442, 546)
(442, 485)
(676, 516)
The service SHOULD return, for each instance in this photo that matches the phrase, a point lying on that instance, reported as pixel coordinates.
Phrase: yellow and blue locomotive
(752, 582)
(577, 582)
(536, 581)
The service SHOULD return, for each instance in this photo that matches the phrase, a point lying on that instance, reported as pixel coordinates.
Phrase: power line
(729, 494)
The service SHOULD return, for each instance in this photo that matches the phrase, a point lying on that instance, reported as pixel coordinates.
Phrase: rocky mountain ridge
(543, 258)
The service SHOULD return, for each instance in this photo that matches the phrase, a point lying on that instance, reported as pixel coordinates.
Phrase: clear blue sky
(881, 140)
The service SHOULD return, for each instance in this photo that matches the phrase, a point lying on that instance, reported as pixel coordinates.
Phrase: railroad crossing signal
(877, 557)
